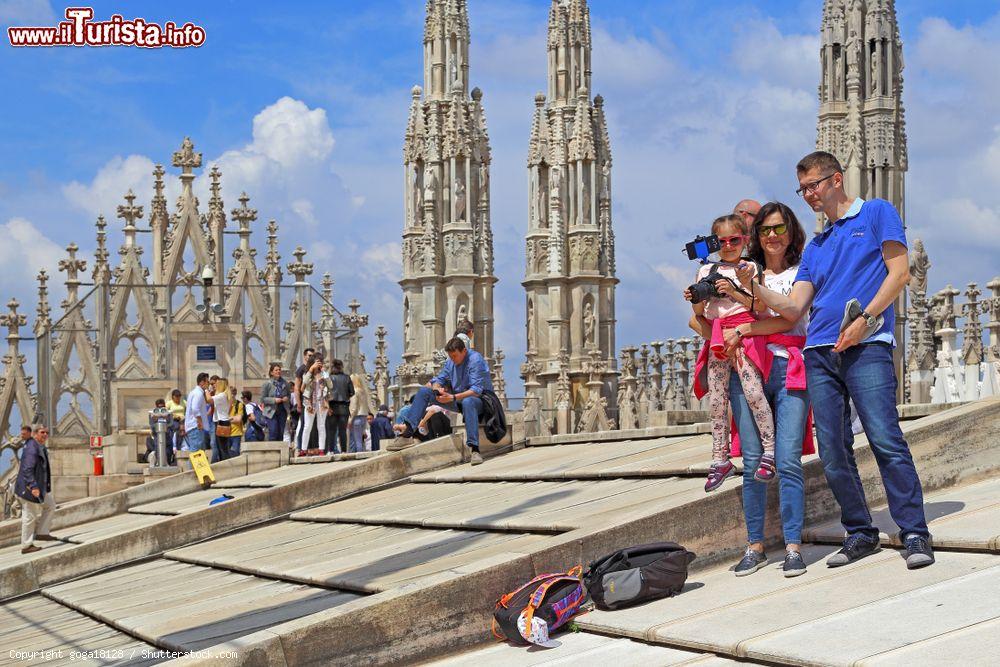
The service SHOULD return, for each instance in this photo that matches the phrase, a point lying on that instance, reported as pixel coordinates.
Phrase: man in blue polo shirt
(458, 387)
(861, 254)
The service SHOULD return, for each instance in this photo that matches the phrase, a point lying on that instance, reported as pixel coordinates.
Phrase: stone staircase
(398, 558)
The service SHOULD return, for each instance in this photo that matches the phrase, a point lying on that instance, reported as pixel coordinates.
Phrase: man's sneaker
(751, 562)
(477, 458)
(765, 471)
(719, 473)
(918, 552)
(794, 565)
(856, 547)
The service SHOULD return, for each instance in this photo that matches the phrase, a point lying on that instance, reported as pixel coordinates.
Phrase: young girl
(316, 387)
(724, 312)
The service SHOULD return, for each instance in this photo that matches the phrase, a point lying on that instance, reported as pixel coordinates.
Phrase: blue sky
(304, 106)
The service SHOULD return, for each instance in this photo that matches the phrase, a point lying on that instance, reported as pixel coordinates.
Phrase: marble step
(965, 518)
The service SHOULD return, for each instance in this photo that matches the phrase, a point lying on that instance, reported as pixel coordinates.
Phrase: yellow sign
(201, 467)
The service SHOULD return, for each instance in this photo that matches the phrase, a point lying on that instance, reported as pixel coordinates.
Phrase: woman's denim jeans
(790, 410)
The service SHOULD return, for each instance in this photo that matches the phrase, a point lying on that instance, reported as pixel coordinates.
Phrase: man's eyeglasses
(731, 241)
(776, 230)
(810, 188)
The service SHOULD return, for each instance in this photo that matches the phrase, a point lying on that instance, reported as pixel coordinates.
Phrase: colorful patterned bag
(528, 614)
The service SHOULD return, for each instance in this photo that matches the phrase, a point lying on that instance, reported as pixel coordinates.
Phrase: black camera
(704, 289)
(702, 247)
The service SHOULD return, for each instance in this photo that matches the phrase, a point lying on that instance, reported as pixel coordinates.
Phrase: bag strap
(539, 594)
(504, 599)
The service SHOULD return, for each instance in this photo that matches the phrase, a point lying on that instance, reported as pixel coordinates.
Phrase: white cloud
(285, 164)
(26, 250)
(113, 180)
(290, 133)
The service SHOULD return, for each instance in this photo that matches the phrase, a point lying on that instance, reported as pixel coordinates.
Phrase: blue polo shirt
(472, 373)
(845, 262)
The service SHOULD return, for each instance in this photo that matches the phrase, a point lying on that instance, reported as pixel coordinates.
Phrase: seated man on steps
(466, 372)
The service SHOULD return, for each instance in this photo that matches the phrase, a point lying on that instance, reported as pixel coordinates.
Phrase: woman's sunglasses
(776, 230)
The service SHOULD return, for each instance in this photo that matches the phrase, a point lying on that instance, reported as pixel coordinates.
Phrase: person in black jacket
(33, 489)
(340, 408)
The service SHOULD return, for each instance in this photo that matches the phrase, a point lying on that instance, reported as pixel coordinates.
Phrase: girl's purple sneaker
(719, 473)
(765, 471)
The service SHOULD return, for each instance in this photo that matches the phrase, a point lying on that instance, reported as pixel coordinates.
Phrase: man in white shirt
(196, 419)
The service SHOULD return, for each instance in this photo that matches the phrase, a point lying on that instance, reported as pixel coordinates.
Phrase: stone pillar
(628, 413)
(564, 398)
(43, 348)
(381, 366)
(945, 389)
(972, 343)
(991, 369)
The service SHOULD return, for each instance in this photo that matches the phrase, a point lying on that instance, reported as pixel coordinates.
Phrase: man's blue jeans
(196, 439)
(470, 408)
(864, 373)
(790, 410)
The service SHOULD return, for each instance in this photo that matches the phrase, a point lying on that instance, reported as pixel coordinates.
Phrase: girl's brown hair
(730, 219)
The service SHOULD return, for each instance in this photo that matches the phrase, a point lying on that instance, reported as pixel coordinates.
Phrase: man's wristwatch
(870, 320)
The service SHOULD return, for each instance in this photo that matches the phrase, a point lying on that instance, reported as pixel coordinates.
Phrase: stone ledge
(627, 434)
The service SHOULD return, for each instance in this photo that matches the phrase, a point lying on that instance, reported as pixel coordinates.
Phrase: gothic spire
(446, 49)
(569, 50)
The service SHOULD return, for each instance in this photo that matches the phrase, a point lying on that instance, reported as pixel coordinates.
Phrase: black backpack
(493, 419)
(638, 574)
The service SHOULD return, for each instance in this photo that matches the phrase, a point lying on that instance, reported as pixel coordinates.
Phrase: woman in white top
(221, 417)
(316, 385)
(776, 242)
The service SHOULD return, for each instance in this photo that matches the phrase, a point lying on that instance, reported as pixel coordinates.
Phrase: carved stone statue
(874, 74)
(531, 326)
(459, 200)
(484, 180)
(453, 80)
(919, 266)
(463, 314)
(534, 196)
(838, 79)
(589, 325)
(605, 191)
(430, 184)
(554, 182)
(416, 195)
(406, 329)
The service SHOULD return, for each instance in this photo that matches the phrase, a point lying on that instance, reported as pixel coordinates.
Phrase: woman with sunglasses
(776, 242)
(712, 318)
